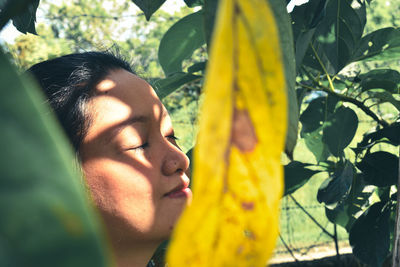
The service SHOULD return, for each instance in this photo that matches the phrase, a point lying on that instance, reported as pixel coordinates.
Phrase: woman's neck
(137, 255)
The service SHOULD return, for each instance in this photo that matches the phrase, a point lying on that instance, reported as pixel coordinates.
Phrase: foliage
(332, 48)
(46, 215)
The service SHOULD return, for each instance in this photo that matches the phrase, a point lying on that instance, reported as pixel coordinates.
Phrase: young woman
(125, 142)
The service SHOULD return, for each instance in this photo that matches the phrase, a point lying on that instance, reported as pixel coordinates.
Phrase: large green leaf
(382, 44)
(180, 41)
(148, 6)
(46, 219)
(305, 19)
(370, 235)
(337, 35)
(286, 43)
(25, 22)
(380, 168)
(296, 175)
(336, 188)
(387, 79)
(340, 130)
(168, 85)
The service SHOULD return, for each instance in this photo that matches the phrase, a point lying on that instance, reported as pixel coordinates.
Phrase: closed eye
(141, 147)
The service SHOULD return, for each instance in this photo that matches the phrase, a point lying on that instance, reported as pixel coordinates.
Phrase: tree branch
(344, 98)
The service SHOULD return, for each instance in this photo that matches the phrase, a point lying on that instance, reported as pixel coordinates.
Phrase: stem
(288, 248)
(311, 217)
(332, 88)
(344, 98)
(336, 245)
(396, 245)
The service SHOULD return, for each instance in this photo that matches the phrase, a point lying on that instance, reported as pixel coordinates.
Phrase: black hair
(68, 83)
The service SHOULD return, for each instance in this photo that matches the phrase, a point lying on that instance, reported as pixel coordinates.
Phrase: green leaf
(193, 3)
(148, 6)
(340, 130)
(296, 175)
(345, 213)
(166, 86)
(180, 41)
(391, 133)
(387, 79)
(336, 36)
(315, 144)
(380, 168)
(25, 22)
(200, 66)
(370, 235)
(14, 8)
(210, 9)
(336, 188)
(382, 44)
(385, 96)
(316, 113)
(286, 43)
(46, 218)
(305, 18)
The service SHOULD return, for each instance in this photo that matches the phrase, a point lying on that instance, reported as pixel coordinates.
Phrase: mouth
(180, 191)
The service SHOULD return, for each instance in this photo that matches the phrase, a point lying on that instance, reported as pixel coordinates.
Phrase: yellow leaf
(238, 177)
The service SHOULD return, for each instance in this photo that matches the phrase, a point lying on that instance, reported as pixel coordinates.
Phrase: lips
(181, 190)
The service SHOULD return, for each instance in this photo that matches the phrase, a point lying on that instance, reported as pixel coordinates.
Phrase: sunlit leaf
(382, 44)
(238, 177)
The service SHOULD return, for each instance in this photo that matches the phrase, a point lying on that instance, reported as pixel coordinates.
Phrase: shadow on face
(133, 167)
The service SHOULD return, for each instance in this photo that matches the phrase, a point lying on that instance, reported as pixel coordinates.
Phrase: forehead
(120, 96)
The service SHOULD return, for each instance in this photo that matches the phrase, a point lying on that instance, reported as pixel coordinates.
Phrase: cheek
(117, 187)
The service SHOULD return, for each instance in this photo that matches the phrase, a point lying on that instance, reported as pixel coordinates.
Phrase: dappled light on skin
(105, 86)
(133, 167)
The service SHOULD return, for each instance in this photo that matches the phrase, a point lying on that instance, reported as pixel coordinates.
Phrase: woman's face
(134, 169)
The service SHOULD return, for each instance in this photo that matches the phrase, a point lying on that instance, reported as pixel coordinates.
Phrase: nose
(175, 161)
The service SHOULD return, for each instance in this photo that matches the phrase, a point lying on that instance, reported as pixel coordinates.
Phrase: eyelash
(146, 144)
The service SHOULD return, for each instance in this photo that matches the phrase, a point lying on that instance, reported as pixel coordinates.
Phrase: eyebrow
(122, 125)
(135, 119)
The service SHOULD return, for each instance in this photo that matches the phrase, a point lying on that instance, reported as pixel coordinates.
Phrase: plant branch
(288, 248)
(344, 98)
(332, 88)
